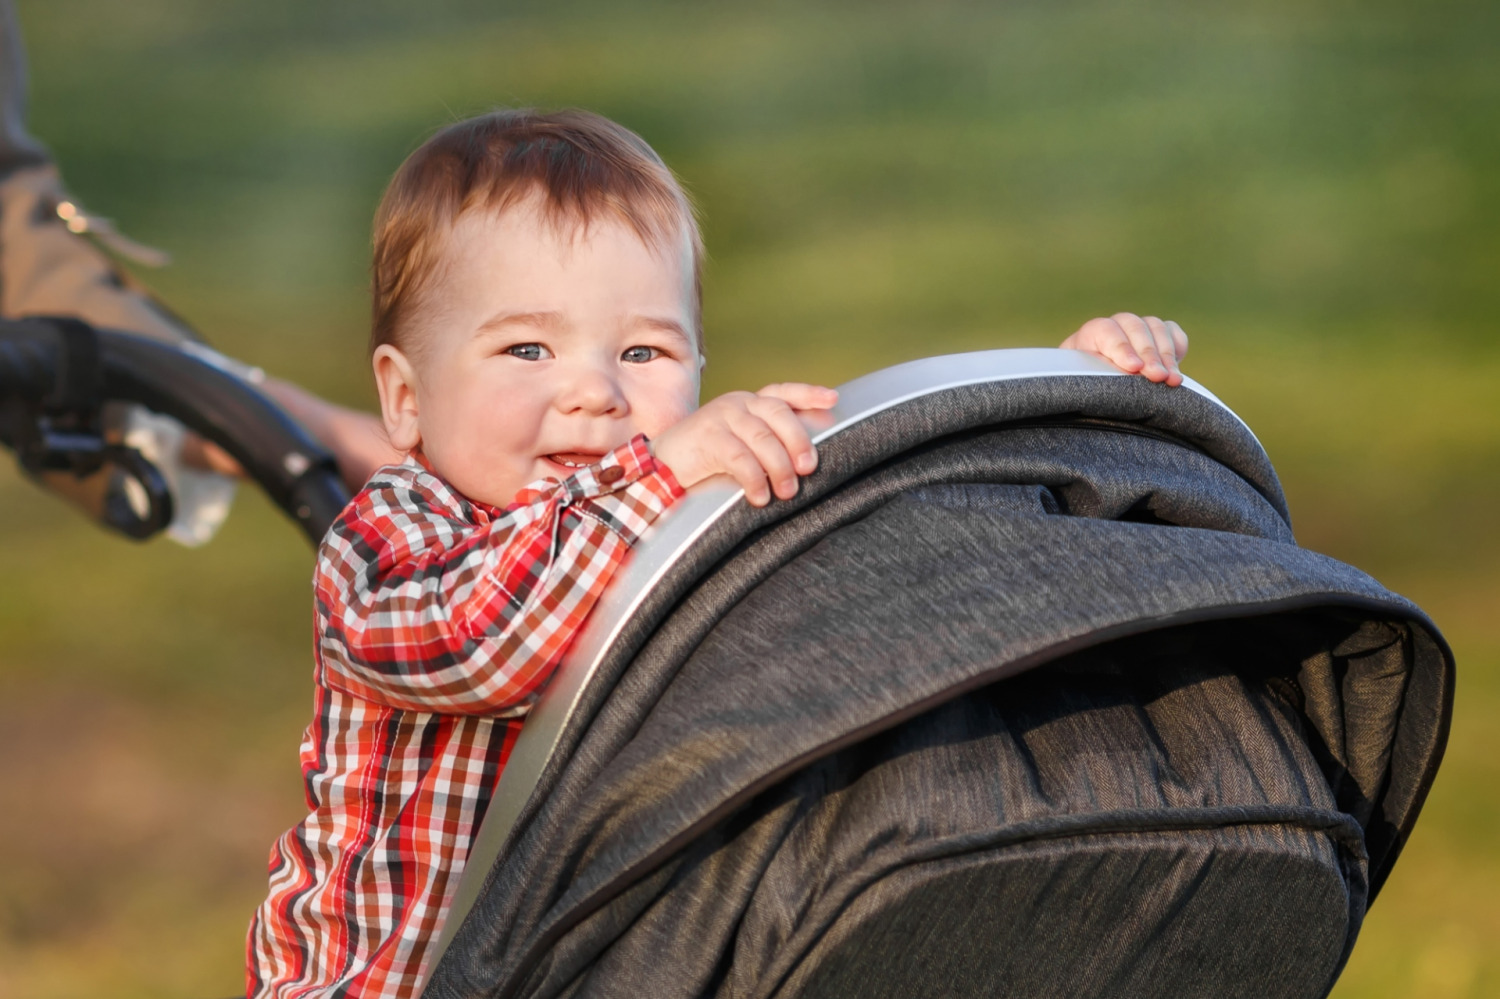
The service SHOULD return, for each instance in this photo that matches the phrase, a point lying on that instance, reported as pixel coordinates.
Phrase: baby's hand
(752, 436)
(1149, 346)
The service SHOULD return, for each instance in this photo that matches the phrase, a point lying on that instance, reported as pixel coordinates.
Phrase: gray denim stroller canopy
(1030, 692)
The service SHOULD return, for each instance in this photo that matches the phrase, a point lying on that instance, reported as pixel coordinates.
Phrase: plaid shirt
(438, 619)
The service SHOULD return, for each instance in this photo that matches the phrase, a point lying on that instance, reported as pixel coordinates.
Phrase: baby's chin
(491, 490)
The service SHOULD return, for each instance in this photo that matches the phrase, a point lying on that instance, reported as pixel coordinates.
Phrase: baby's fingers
(800, 395)
(1109, 340)
(791, 431)
(738, 459)
(766, 444)
(1143, 340)
(1179, 340)
(1151, 347)
(1166, 349)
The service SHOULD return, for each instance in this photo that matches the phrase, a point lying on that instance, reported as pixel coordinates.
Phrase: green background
(1311, 188)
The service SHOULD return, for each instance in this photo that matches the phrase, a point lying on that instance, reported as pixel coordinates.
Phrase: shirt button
(609, 476)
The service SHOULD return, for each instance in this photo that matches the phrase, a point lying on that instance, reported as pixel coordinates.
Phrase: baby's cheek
(662, 422)
(671, 403)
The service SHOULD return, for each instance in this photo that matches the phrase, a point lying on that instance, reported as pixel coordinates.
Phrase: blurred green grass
(1312, 189)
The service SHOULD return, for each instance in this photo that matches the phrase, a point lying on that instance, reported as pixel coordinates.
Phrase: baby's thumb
(800, 395)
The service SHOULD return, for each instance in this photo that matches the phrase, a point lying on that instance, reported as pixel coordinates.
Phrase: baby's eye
(529, 351)
(640, 355)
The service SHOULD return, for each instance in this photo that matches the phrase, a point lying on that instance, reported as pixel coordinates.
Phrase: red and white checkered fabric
(438, 619)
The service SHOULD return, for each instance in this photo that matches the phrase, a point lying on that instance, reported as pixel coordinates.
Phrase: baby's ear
(396, 381)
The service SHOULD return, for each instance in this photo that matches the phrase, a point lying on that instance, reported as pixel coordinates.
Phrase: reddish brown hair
(581, 163)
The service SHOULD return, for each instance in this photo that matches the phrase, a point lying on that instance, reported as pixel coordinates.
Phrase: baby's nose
(592, 392)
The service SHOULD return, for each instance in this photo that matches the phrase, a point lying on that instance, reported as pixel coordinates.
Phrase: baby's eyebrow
(540, 320)
(664, 325)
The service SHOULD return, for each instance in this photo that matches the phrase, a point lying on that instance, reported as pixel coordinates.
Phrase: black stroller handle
(60, 365)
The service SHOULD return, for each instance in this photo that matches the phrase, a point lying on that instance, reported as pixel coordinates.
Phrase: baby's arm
(1147, 346)
(424, 610)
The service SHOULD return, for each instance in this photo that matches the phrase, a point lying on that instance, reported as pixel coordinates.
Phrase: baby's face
(542, 350)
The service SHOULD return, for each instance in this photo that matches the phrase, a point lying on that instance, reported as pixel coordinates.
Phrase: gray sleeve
(17, 146)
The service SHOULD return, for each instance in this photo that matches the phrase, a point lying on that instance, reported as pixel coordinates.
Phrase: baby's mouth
(573, 459)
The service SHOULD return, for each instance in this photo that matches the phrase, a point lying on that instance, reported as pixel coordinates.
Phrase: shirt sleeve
(424, 610)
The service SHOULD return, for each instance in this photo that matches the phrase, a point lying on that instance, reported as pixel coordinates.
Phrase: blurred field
(1311, 189)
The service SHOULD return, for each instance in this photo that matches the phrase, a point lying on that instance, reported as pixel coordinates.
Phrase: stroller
(1029, 692)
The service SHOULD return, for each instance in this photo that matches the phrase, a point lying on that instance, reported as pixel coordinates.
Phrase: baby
(537, 349)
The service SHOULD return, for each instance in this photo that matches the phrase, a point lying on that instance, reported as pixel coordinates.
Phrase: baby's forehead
(523, 267)
(527, 242)
(536, 222)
